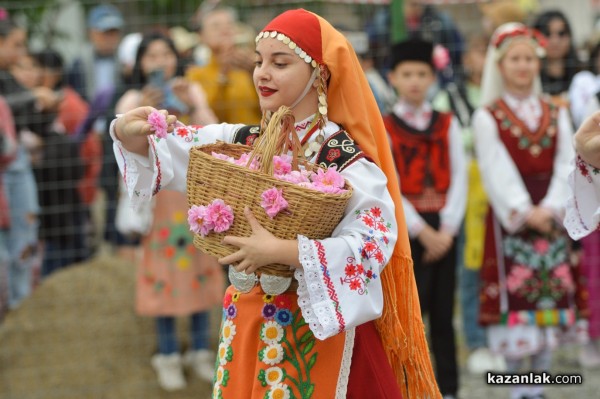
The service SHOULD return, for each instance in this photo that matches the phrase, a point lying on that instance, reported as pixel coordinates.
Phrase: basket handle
(277, 139)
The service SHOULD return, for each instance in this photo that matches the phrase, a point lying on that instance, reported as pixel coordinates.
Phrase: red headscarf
(351, 104)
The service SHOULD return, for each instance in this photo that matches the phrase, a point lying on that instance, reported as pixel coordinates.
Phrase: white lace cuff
(313, 298)
(140, 175)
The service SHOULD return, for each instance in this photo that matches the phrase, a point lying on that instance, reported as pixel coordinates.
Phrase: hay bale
(78, 337)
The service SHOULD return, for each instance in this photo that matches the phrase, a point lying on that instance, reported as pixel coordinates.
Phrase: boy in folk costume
(430, 160)
(315, 337)
(523, 146)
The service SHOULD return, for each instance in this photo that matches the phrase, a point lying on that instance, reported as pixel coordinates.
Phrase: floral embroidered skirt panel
(531, 294)
(174, 278)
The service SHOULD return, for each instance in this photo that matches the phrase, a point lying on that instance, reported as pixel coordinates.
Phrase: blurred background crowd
(69, 247)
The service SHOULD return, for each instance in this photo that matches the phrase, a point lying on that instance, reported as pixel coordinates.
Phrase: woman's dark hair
(138, 79)
(51, 59)
(572, 63)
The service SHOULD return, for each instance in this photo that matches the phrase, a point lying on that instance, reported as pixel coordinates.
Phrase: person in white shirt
(523, 147)
(431, 164)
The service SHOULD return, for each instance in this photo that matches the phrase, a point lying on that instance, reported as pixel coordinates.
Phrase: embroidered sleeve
(165, 167)
(339, 283)
(583, 206)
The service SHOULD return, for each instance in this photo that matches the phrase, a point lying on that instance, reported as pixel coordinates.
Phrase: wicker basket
(311, 213)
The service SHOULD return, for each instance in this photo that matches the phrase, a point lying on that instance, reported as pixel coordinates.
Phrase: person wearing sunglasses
(561, 62)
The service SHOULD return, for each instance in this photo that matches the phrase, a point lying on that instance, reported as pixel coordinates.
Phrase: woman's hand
(587, 140)
(132, 128)
(540, 219)
(260, 249)
(436, 243)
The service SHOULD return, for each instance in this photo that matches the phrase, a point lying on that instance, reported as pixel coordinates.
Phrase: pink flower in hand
(273, 202)
(197, 220)
(158, 123)
(328, 181)
(219, 215)
(282, 164)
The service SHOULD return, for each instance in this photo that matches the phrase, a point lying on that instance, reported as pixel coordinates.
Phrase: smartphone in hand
(157, 78)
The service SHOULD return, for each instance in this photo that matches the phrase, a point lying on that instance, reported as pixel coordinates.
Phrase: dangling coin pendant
(322, 110)
(314, 146)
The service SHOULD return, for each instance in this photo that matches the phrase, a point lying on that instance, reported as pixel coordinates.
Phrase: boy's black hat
(412, 50)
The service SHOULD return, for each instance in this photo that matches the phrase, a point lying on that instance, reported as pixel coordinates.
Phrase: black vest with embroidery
(339, 149)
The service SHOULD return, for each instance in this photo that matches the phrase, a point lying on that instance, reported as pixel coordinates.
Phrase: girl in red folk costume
(429, 156)
(523, 146)
(319, 337)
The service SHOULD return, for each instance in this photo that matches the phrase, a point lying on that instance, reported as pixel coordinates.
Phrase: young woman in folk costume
(523, 146)
(317, 338)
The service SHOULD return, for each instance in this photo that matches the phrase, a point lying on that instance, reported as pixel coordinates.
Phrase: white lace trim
(131, 173)
(342, 384)
(313, 299)
(581, 191)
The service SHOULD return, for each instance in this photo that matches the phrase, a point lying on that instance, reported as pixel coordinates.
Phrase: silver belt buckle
(271, 285)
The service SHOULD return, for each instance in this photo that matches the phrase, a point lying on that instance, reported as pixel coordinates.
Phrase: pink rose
(329, 177)
(158, 123)
(219, 215)
(243, 160)
(273, 202)
(282, 164)
(222, 156)
(294, 177)
(197, 220)
(328, 181)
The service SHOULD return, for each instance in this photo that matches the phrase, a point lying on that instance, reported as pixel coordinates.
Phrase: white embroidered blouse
(339, 282)
(583, 206)
(504, 186)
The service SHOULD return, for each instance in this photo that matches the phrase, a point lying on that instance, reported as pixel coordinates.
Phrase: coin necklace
(310, 149)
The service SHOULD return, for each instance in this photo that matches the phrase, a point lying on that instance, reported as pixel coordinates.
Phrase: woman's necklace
(310, 149)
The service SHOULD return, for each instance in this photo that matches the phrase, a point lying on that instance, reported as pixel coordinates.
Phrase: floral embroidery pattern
(296, 351)
(225, 351)
(359, 275)
(157, 185)
(174, 242)
(584, 169)
(188, 133)
(329, 284)
(540, 271)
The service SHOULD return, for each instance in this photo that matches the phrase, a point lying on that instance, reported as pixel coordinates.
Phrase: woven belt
(270, 284)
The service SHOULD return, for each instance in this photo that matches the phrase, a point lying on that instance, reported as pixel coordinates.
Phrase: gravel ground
(78, 337)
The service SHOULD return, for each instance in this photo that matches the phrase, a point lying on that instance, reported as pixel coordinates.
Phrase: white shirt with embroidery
(504, 186)
(453, 212)
(583, 206)
(339, 282)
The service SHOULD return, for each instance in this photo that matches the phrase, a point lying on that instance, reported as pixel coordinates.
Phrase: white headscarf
(492, 86)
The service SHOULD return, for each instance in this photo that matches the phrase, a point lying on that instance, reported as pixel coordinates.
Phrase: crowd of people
(463, 145)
